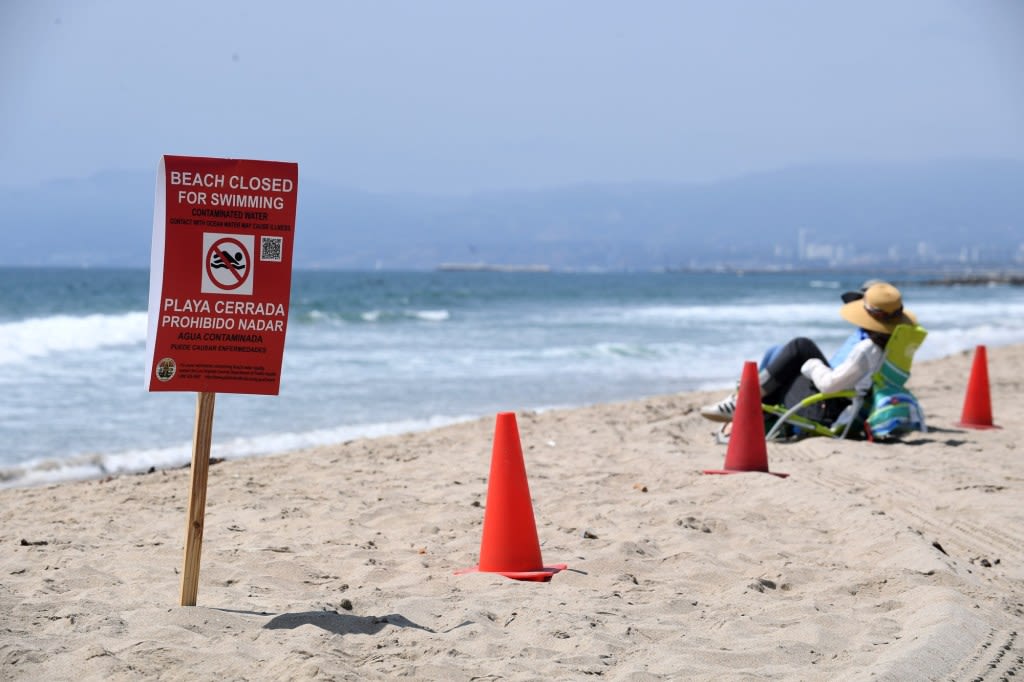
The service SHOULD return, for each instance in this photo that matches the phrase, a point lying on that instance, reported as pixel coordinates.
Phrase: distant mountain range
(971, 210)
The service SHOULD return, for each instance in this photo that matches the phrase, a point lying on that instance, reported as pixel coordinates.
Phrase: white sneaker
(722, 411)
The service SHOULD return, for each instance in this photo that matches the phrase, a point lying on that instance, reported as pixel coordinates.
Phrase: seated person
(799, 369)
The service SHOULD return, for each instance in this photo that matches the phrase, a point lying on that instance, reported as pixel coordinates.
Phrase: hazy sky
(456, 96)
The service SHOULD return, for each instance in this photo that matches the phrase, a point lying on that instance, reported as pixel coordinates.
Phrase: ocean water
(373, 353)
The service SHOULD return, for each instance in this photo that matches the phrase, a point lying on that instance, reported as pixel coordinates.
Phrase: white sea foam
(97, 465)
(431, 315)
(758, 313)
(38, 337)
(945, 342)
(375, 316)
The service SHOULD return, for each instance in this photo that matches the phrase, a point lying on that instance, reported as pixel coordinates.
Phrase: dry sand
(871, 561)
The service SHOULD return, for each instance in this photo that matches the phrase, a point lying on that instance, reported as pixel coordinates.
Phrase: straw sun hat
(880, 310)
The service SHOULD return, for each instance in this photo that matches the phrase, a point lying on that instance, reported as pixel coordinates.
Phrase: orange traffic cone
(509, 545)
(747, 450)
(977, 412)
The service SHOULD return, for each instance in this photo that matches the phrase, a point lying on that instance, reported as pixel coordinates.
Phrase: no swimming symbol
(227, 264)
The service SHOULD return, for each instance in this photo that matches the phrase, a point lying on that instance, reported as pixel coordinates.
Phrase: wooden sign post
(219, 288)
(201, 438)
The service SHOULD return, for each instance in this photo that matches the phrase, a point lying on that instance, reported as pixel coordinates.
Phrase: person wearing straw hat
(799, 368)
(855, 336)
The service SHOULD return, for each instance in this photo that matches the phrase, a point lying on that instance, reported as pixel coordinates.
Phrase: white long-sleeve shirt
(854, 372)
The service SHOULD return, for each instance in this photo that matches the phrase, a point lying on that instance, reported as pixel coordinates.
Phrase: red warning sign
(220, 274)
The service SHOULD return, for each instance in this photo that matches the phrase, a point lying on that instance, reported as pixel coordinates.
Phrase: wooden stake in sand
(201, 438)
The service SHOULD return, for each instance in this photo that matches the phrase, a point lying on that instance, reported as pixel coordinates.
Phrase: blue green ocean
(373, 353)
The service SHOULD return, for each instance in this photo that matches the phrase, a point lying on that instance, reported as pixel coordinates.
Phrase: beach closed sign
(220, 274)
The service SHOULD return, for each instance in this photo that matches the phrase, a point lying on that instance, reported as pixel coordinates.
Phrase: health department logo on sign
(227, 263)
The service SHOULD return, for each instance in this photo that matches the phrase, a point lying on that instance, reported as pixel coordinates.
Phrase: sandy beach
(899, 561)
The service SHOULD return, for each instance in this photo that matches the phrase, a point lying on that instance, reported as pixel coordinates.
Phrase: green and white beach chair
(886, 410)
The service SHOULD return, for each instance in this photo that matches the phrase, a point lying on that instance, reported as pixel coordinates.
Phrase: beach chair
(883, 411)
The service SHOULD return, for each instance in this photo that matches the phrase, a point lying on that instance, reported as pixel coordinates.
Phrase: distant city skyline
(825, 250)
(456, 96)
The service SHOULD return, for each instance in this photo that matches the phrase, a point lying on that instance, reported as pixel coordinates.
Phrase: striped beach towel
(894, 412)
